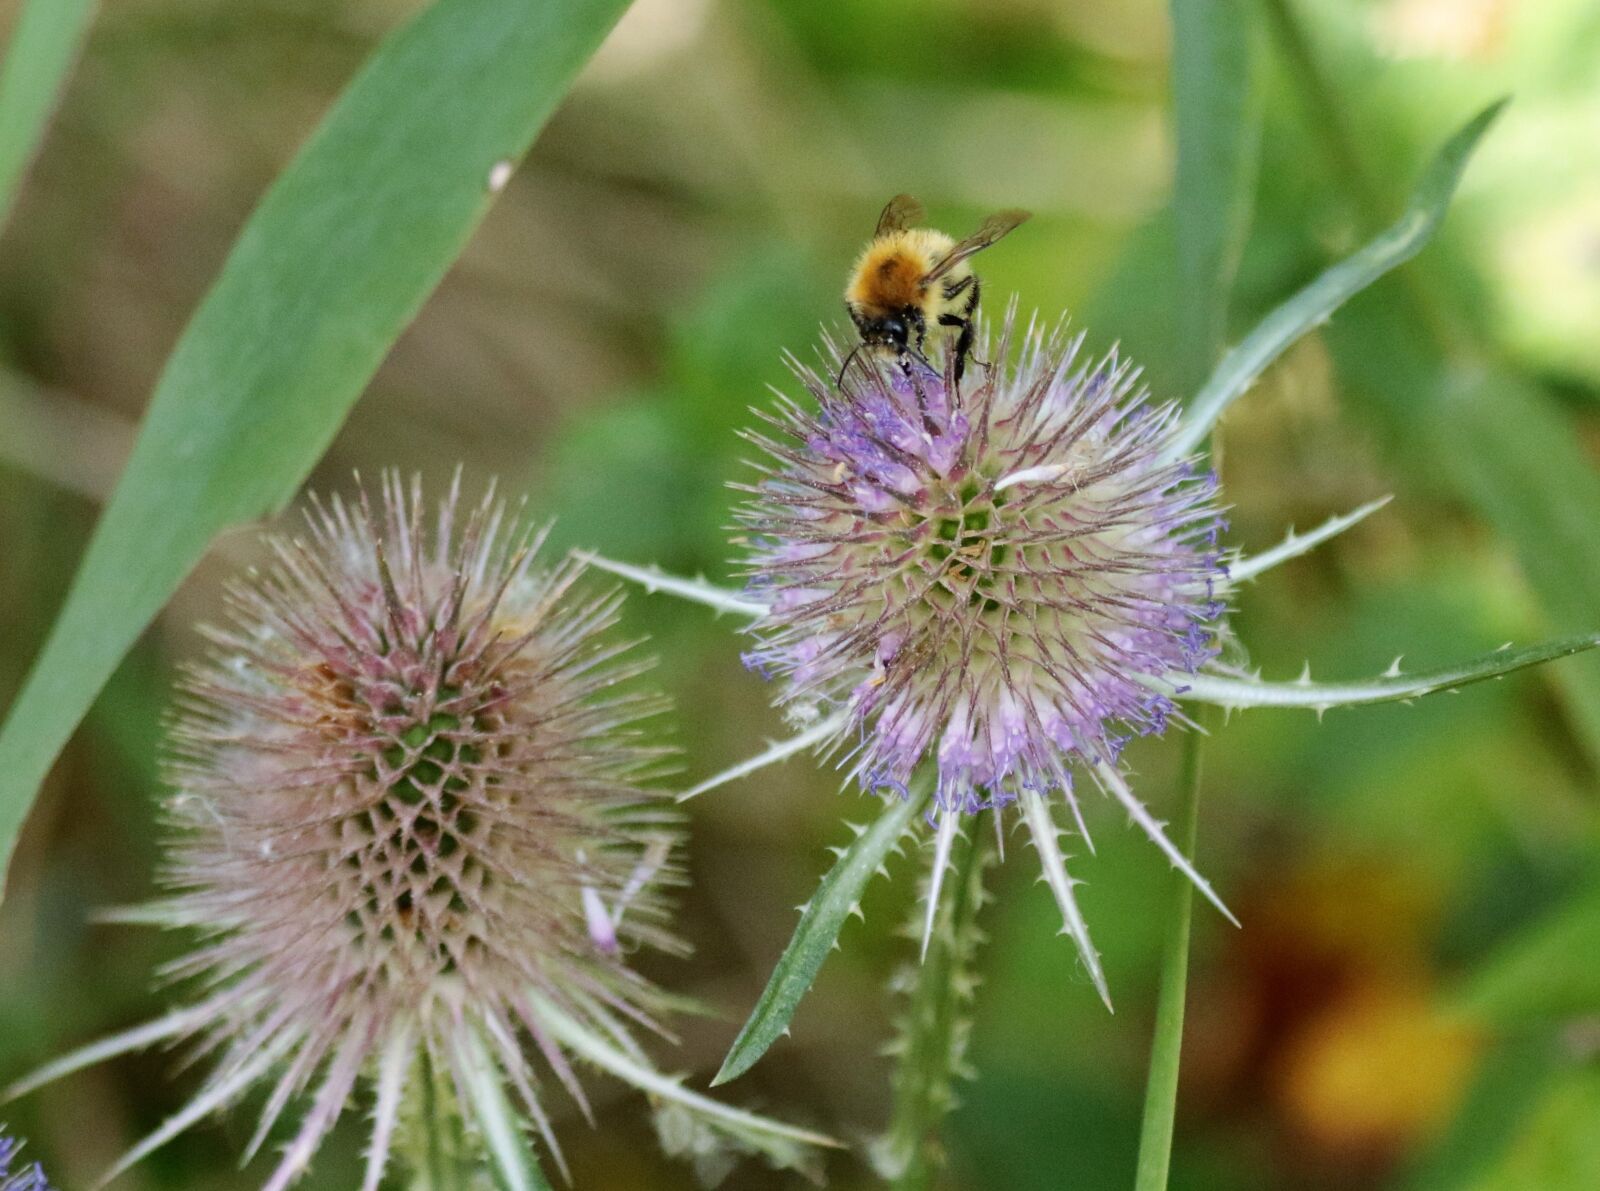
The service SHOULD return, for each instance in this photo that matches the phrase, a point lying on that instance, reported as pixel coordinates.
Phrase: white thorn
(1043, 831)
(1044, 473)
(819, 733)
(948, 821)
(654, 579)
(1153, 828)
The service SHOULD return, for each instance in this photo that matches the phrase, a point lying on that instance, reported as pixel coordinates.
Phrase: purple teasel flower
(27, 1178)
(411, 829)
(990, 588)
(985, 581)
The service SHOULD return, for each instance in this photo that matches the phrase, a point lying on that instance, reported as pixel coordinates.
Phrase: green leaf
(1546, 971)
(44, 46)
(838, 895)
(330, 268)
(1218, 126)
(1317, 301)
(1559, 1147)
(1389, 687)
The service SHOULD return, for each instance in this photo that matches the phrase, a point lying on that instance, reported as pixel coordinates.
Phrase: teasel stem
(931, 1048)
(1161, 1086)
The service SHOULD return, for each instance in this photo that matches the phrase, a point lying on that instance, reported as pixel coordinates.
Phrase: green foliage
(331, 267)
(648, 478)
(1559, 1147)
(43, 46)
(1312, 306)
(1546, 972)
(692, 214)
(1511, 451)
(835, 900)
(1214, 109)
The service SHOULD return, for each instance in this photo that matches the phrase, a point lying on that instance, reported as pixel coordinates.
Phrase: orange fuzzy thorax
(888, 276)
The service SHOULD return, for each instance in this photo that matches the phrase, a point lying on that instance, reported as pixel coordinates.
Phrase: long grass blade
(44, 45)
(329, 269)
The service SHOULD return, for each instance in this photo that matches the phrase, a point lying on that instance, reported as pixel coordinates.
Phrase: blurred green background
(1414, 1000)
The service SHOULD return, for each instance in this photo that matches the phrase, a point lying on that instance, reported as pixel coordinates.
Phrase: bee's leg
(963, 339)
(964, 320)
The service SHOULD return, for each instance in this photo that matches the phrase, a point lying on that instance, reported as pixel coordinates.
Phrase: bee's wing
(901, 212)
(993, 228)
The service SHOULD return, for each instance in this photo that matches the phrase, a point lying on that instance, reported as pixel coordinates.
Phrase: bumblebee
(912, 282)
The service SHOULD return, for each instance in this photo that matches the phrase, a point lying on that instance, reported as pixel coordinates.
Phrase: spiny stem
(933, 1035)
(1161, 1088)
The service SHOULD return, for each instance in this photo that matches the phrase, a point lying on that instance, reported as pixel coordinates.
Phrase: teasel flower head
(24, 1178)
(997, 583)
(986, 578)
(410, 828)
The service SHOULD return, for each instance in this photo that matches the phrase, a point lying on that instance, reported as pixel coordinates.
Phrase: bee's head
(889, 330)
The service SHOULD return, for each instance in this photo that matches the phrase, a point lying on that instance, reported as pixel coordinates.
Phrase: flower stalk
(1161, 1086)
(930, 1050)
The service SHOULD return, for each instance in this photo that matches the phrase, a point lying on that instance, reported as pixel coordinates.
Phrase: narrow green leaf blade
(1239, 693)
(1216, 112)
(814, 937)
(1312, 305)
(1218, 128)
(333, 264)
(44, 45)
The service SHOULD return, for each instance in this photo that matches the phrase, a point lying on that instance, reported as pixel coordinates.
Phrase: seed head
(409, 813)
(988, 575)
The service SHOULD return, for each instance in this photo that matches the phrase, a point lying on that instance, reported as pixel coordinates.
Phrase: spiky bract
(985, 575)
(27, 1178)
